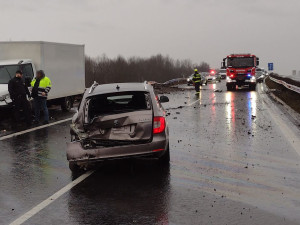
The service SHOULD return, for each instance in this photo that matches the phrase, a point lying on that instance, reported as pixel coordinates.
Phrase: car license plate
(122, 130)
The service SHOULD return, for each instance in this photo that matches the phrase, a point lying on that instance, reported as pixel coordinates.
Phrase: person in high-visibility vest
(197, 81)
(41, 86)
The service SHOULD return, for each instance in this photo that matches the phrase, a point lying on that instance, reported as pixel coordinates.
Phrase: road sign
(270, 66)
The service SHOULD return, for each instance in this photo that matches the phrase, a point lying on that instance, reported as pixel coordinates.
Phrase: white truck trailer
(64, 64)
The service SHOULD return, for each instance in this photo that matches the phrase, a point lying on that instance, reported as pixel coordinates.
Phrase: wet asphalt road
(231, 163)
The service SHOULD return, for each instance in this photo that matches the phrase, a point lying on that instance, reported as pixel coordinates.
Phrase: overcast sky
(201, 30)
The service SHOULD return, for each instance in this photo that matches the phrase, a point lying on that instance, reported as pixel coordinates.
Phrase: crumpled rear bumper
(75, 152)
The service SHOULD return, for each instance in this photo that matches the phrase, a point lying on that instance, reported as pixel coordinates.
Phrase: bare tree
(203, 67)
(136, 69)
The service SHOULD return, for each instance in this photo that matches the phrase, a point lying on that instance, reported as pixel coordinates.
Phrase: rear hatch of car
(119, 118)
(211, 77)
(258, 72)
(222, 73)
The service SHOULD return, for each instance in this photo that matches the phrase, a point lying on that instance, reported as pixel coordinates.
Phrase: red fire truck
(240, 70)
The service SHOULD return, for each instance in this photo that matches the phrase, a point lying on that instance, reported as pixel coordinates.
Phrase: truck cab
(240, 70)
(8, 70)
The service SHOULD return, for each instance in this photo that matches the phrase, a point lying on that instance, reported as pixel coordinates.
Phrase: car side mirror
(163, 99)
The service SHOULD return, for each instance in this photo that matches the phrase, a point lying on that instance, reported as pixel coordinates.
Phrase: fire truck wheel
(252, 87)
(231, 87)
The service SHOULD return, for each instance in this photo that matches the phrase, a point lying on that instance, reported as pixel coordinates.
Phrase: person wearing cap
(41, 86)
(197, 81)
(18, 91)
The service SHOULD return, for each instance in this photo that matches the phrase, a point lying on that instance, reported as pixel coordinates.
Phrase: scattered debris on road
(218, 90)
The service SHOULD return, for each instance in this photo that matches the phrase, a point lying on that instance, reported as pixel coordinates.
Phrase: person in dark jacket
(18, 91)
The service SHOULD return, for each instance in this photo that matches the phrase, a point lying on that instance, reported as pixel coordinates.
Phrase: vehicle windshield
(240, 62)
(115, 103)
(8, 71)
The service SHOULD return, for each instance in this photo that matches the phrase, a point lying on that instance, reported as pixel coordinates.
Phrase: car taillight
(158, 150)
(159, 124)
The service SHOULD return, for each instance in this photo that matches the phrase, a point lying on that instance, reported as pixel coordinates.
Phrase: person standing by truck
(18, 91)
(197, 81)
(41, 86)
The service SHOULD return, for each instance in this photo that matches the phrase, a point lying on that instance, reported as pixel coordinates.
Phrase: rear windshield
(122, 102)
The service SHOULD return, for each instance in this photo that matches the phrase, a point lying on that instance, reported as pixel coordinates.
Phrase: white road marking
(51, 199)
(33, 129)
(286, 131)
(284, 127)
(194, 102)
(200, 99)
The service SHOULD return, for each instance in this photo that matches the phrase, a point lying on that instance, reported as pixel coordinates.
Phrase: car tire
(231, 87)
(74, 167)
(67, 104)
(165, 158)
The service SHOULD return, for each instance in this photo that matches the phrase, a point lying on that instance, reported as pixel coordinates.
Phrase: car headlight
(188, 79)
(4, 97)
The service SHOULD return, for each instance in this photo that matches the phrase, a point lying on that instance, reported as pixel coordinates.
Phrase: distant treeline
(136, 69)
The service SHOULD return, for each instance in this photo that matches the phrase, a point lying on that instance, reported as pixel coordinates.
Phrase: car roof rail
(145, 84)
(92, 88)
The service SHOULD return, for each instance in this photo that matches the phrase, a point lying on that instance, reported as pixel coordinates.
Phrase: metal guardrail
(287, 85)
(169, 82)
(173, 81)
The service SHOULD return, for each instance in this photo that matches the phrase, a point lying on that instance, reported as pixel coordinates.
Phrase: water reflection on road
(121, 193)
(229, 165)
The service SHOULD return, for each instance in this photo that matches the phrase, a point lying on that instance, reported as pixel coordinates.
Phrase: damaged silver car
(118, 121)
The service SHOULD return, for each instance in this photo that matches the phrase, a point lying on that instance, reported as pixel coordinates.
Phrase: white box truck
(64, 64)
